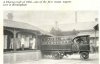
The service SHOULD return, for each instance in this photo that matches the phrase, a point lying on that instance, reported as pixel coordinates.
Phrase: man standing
(33, 46)
(32, 42)
(22, 42)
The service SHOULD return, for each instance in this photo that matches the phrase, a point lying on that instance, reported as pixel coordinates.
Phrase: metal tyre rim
(84, 55)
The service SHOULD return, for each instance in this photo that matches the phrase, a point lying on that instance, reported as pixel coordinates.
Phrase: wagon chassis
(59, 50)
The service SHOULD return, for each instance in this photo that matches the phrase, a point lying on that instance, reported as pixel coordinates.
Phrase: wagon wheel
(55, 55)
(61, 55)
(84, 55)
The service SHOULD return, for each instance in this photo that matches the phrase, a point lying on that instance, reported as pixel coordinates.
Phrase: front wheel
(84, 55)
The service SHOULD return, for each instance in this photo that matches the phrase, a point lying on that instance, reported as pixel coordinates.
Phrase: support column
(14, 46)
(36, 45)
(14, 41)
(95, 38)
(94, 41)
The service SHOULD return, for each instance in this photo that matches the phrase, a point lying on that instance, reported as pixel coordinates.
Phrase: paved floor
(73, 59)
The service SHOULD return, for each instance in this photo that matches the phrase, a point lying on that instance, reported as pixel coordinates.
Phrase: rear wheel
(61, 55)
(57, 55)
(84, 55)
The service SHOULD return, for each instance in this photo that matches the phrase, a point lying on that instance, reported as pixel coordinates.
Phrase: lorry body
(60, 46)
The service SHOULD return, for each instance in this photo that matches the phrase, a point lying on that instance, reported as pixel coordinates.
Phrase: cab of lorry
(81, 44)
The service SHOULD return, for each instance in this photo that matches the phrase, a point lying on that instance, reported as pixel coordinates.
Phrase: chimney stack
(96, 19)
(10, 16)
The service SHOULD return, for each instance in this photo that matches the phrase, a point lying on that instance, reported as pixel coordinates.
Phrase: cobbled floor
(73, 59)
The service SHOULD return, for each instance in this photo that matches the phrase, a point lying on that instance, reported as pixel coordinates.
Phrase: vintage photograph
(50, 37)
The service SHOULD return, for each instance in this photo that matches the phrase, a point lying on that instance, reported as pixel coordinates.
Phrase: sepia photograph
(50, 37)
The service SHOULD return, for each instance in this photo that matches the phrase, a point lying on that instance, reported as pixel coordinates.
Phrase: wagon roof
(82, 36)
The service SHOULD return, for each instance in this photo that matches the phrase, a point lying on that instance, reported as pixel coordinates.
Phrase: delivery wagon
(60, 46)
